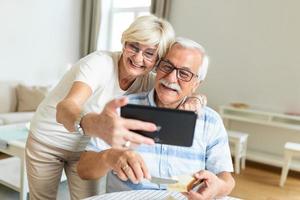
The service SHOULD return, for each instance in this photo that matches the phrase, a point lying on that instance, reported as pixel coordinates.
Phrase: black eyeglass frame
(192, 75)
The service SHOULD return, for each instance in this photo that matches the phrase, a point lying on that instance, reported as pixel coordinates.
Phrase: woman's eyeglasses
(148, 54)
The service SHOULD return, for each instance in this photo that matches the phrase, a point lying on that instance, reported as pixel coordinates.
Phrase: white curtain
(91, 17)
(161, 8)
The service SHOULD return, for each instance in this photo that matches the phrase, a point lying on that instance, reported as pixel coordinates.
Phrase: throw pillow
(29, 97)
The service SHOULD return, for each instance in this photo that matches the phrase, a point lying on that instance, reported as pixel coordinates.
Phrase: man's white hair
(190, 44)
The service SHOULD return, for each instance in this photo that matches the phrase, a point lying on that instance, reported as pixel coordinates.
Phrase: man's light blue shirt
(210, 151)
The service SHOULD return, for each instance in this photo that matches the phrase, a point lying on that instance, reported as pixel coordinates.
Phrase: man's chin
(169, 102)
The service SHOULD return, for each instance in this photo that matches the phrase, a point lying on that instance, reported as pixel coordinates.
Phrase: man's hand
(115, 130)
(194, 103)
(214, 186)
(128, 164)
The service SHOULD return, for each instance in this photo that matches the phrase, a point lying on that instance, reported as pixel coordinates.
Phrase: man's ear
(154, 69)
(196, 85)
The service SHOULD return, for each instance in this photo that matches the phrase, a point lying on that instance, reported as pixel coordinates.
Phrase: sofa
(19, 101)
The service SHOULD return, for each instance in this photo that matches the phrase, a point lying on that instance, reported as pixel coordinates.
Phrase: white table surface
(144, 195)
(13, 140)
(15, 135)
(139, 195)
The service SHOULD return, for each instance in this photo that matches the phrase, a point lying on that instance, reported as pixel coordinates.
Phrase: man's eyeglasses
(182, 74)
(148, 54)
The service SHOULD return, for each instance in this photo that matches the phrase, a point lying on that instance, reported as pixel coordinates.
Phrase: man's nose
(172, 77)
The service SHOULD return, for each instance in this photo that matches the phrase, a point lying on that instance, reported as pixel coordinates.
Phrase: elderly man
(179, 74)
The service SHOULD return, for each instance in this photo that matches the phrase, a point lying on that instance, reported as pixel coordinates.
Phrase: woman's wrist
(86, 124)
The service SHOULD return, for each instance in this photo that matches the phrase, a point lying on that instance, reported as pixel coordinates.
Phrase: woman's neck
(125, 80)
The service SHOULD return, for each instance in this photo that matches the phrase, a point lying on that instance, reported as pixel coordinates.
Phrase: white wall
(38, 39)
(254, 48)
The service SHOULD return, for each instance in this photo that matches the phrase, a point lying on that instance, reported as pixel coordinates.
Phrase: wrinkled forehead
(184, 57)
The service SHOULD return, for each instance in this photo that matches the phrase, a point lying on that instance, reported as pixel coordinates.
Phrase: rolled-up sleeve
(96, 145)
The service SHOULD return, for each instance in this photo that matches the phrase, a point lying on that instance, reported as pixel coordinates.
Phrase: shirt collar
(151, 98)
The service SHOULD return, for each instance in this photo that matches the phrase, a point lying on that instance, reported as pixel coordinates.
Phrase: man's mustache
(173, 86)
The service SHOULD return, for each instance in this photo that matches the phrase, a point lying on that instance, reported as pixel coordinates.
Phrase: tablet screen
(175, 127)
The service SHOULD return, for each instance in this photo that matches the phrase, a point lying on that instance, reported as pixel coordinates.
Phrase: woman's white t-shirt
(100, 71)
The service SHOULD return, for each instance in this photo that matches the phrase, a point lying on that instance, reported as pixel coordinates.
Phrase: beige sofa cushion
(8, 97)
(29, 97)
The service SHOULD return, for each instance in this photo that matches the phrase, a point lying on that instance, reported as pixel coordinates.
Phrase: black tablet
(175, 127)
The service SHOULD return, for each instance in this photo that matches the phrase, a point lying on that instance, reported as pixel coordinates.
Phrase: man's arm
(228, 184)
(217, 177)
(126, 164)
(93, 165)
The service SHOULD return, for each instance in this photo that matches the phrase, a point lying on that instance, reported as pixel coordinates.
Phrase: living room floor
(261, 182)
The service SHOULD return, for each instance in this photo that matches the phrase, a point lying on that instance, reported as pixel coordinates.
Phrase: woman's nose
(138, 57)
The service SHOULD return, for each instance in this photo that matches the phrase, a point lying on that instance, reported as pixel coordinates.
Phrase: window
(117, 16)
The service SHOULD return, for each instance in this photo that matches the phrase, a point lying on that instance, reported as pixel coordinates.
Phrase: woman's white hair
(150, 30)
(190, 44)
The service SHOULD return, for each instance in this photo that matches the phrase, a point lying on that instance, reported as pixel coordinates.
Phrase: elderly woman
(77, 109)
